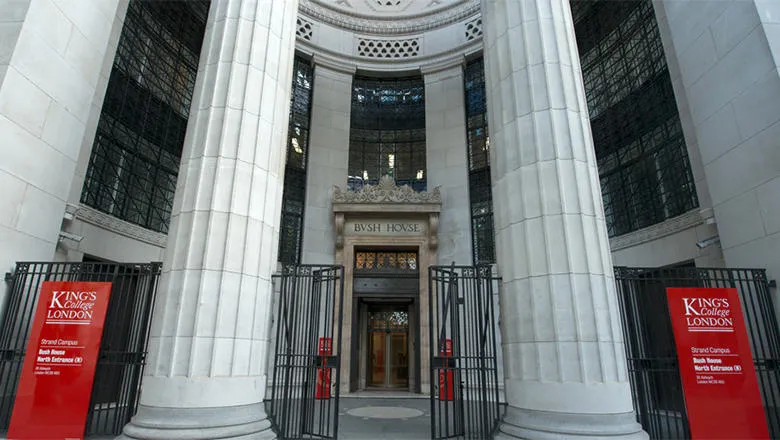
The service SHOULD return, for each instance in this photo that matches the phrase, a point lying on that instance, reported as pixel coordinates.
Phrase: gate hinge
(9, 276)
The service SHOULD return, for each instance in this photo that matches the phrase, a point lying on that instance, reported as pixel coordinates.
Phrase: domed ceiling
(389, 16)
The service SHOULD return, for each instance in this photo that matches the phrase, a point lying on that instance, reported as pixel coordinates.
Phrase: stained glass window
(294, 196)
(387, 132)
(386, 260)
(135, 157)
(642, 158)
(478, 144)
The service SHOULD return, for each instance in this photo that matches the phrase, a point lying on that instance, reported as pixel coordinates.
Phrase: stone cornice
(444, 63)
(386, 192)
(677, 224)
(113, 224)
(333, 63)
(387, 25)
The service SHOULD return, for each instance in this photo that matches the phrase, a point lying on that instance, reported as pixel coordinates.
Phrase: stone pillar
(328, 157)
(445, 126)
(564, 361)
(729, 81)
(51, 55)
(206, 375)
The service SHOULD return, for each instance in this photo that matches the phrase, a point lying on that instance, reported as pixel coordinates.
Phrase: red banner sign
(716, 364)
(56, 384)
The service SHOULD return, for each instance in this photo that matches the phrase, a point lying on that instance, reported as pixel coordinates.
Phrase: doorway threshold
(384, 394)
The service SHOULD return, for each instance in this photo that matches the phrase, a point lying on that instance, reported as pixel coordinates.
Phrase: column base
(546, 425)
(246, 422)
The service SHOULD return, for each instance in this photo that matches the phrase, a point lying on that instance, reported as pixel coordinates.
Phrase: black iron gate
(307, 361)
(652, 357)
(123, 347)
(464, 363)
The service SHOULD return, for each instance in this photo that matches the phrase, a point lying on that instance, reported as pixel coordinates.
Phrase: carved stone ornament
(352, 20)
(386, 192)
(340, 230)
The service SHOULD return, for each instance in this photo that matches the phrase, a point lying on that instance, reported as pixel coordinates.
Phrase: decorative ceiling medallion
(388, 2)
(388, 6)
(386, 192)
(346, 16)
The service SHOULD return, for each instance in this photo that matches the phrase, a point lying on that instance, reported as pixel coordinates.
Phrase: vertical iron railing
(652, 357)
(123, 346)
(305, 387)
(464, 357)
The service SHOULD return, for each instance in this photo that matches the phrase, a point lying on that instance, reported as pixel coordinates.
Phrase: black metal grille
(294, 197)
(305, 389)
(387, 132)
(480, 191)
(652, 356)
(464, 363)
(137, 148)
(122, 349)
(643, 162)
(379, 261)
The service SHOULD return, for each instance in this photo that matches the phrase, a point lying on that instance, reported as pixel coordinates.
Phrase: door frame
(426, 256)
(365, 353)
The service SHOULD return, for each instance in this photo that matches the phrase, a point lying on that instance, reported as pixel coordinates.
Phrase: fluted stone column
(564, 362)
(206, 373)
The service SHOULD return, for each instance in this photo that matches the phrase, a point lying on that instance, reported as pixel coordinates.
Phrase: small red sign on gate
(446, 381)
(322, 390)
(59, 366)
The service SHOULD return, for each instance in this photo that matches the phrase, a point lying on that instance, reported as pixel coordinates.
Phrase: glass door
(388, 336)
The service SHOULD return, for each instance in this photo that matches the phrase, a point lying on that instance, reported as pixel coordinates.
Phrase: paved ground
(378, 416)
(387, 418)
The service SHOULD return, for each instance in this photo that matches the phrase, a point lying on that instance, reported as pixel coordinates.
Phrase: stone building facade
(551, 139)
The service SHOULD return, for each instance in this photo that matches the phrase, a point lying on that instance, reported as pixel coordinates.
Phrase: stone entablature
(387, 210)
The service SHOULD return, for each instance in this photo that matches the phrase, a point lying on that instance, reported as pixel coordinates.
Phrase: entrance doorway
(385, 321)
(388, 351)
